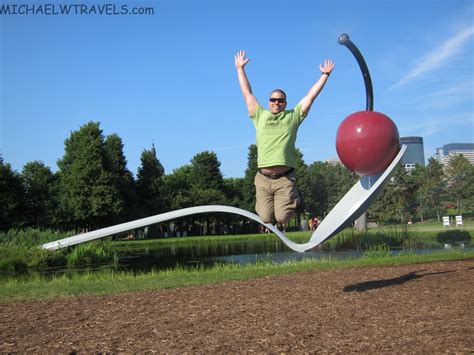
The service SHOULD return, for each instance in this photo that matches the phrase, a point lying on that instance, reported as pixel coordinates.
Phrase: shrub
(16, 259)
(354, 240)
(453, 236)
(378, 251)
(31, 237)
(91, 254)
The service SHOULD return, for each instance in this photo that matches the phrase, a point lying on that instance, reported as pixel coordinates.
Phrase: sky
(169, 79)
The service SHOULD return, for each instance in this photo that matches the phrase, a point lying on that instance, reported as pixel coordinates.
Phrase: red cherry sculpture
(367, 142)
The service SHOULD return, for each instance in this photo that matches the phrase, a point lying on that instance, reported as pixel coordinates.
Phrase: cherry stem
(345, 41)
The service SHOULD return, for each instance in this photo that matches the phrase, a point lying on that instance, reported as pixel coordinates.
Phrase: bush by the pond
(31, 237)
(354, 240)
(453, 236)
(91, 254)
(378, 251)
(18, 259)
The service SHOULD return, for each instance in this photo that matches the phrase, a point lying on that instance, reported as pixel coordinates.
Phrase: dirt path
(418, 308)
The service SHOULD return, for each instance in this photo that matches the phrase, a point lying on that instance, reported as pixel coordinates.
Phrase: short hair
(280, 91)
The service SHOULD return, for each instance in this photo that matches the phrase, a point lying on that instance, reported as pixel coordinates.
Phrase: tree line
(93, 188)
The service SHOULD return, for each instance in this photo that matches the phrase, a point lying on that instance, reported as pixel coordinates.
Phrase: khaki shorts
(277, 199)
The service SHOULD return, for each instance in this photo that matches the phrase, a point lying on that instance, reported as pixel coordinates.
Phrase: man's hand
(250, 100)
(326, 69)
(240, 60)
(327, 66)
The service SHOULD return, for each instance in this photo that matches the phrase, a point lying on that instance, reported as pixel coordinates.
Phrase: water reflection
(208, 254)
(281, 257)
(202, 254)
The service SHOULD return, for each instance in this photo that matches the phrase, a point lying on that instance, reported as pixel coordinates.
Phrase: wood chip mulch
(426, 308)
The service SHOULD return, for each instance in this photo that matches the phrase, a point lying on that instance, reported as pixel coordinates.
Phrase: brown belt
(276, 176)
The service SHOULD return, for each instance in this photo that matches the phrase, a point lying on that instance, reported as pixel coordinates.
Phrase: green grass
(111, 282)
(30, 237)
(21, 259)
(91, 254)
(435, 225)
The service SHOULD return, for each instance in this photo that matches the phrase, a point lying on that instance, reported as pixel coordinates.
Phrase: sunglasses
(279, 100)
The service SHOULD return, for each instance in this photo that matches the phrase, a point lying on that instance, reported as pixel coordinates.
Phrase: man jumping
(276, 130)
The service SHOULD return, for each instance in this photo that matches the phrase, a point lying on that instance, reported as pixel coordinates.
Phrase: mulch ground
(425, 308)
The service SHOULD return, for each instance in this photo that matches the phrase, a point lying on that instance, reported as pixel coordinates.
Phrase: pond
(135, 257)
(208, 254)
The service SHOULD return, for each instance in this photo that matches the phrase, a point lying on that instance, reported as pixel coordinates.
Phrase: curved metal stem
(344, 40)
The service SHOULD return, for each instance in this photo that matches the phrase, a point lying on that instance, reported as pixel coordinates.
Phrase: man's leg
(264, 204)
(286, 198)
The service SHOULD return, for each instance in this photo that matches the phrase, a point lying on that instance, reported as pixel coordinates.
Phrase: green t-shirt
(276, 136)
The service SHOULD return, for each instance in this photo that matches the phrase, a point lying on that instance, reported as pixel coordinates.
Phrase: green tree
(302, 185)
(207, 185)
(460, 181)
(122, 178)
(176, 189)
(205, 171)
(248, 187)
(430, 188)
(39, 185)
(436, 184)
(397, 201)
(206, 180)
(340, 180)
(233, 190)
(11, 197)
(87, 195)
(317, 200)
(149, 183)
(328, 184)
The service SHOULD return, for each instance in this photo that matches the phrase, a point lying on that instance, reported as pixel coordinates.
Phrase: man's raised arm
(250, 100)
(308, 100)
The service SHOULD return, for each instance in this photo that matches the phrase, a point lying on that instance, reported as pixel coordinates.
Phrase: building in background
(334, 161)
(415, 153)
(447, 151)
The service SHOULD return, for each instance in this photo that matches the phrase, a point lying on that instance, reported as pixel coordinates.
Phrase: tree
(87, 195)
(176, 189)
(206, 185)
(302, 185)
(436, 185)
(460, 181)
(328, 184)
(248, 186)
(340, 180)
(397, 201)
(206, 180)
(11, 197)
(233, 190)
(317, 198)
(205, 171)
(39, 185)
(121, 177)
(149, 183)
(430, 188)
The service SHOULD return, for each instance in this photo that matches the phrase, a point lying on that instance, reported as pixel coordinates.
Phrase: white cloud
(429, 127)
(438, 57)
(445, 98)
